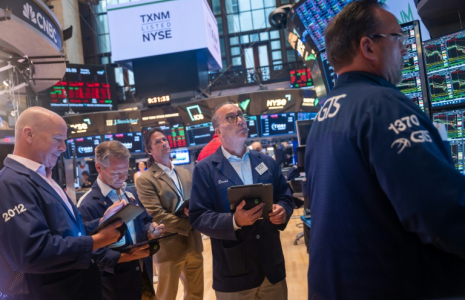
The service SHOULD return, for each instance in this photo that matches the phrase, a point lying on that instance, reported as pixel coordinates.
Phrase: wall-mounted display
(131, 140)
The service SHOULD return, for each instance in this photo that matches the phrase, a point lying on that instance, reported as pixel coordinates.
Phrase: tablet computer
(253, 194)
(128, 213)
(127, 248)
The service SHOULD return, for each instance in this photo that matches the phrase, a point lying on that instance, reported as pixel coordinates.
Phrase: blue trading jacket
(388, 206)
(44, 251)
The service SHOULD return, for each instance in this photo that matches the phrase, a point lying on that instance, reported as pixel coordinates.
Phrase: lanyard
(178, 189)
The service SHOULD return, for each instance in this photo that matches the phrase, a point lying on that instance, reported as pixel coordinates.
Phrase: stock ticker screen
(131, 140)
(252, 124)
(84, 88)
(328, 70)
(175, 133)
(200, 134)
(445, 66)
(84, 146)
(411, 84)
(301, 78)
(315, 16)
(453, 120)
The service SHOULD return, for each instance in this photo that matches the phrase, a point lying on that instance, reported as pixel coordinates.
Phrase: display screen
(411, 84)
(84, 146)
(176, 134)
(301, 78)
(328, 70)
(303, 128)
(277, 124)
(306, 115)
(84, 88)
(453, 120)
(200, 134)
(252, 124)
(131, 140)
(180, 157)
(445, 66)
(315, 16)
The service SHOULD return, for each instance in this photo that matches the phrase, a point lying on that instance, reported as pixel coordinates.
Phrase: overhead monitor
(315, 16)
(131, 140)
(180, 157)
(277, 124)
(252, 124)
(301, 78)
(175, 133)
(445, 66)
(453, 120)
(200, 134)
(303, 128)
(84, 147)
(414, 83)
(84, 88)
(306, 116)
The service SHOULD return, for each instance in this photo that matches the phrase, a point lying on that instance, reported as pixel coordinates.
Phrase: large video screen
(131, 140)
(84, 146)
(200, 134)
(315, 16)
(180, 157)
(445, 66)
(413, 84)
(277, 124)
(84, 88)
(453, 120)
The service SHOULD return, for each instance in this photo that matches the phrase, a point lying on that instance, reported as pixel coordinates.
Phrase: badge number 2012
(18, 209)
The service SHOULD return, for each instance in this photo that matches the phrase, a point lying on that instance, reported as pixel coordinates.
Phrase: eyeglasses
(233, 118)
(402, 37)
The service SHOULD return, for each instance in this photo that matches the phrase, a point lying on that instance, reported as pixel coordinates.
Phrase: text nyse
(156, 26)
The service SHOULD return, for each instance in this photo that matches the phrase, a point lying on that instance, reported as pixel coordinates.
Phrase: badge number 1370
(19, 209)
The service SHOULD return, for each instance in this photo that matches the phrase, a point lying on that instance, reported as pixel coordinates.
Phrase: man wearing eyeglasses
(387, 203)
(248, 261)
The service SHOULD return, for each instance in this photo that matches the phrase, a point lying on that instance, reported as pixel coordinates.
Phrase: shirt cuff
(234, 223)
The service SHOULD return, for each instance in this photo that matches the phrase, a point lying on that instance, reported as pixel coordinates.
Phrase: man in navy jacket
(248, 261)
(44, 251)
(387, 204)
(123, 275)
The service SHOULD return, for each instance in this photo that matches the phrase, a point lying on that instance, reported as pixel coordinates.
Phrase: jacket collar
(98, 195)
(357, 76)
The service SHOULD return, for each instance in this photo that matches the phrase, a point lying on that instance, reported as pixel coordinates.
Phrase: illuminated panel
(84, 147)
(445, 64)
(277, 124)
(301, 78)
(411, 84)
(176, 134)
(252, 125)
(453, 120)
(200, 134)
(315, 16)
(330, 74)
(131, 140)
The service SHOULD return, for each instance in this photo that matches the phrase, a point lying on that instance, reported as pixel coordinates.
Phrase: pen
(153, 231)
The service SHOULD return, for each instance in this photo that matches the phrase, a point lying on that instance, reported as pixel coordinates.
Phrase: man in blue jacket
(44, 251)
(387, 204)
(248, 261)
(124, 275)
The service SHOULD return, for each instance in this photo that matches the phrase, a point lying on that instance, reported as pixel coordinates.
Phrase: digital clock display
(158, 100)
(84, 88)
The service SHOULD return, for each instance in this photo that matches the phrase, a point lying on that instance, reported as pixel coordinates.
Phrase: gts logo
(330, 108)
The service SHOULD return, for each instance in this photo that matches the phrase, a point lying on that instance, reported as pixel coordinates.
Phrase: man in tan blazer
(162, 189)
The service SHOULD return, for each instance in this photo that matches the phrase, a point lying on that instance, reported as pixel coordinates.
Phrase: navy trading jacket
(120, 281)
(44, 251)
(388, 206)
(241, 258)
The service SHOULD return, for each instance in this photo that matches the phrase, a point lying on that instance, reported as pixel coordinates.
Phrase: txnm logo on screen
(156, 26)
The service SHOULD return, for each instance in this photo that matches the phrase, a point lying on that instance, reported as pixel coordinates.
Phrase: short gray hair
(344, 32)
(215, 120)
(110, 148)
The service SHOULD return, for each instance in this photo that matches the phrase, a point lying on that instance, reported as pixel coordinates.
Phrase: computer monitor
(252, 124)
(330, 75)
(84, 146)
(131, 140)
(180, 157)
(445, 66)
(277, 124)
(303, 128)
(200, 134)
(175, 133)
(414, 84)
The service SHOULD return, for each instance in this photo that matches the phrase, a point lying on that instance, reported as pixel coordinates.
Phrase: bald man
(44, 250)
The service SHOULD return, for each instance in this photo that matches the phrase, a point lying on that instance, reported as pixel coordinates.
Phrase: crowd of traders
(387, 203)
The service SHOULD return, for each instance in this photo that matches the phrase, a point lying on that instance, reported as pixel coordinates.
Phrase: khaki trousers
(189, 270)
(266, 291)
